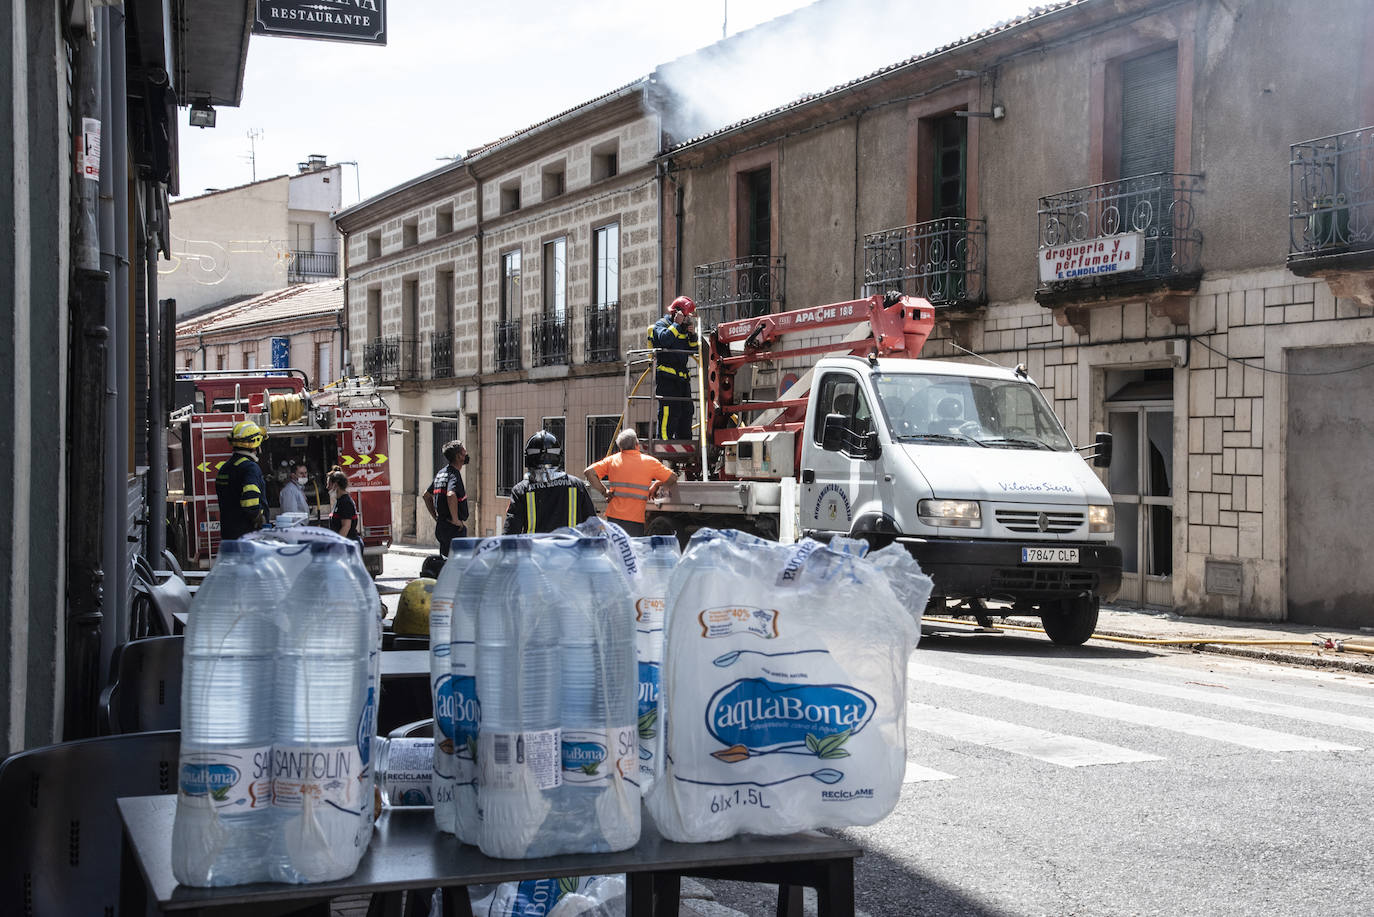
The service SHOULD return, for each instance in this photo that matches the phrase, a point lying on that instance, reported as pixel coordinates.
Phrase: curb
(1315, 660)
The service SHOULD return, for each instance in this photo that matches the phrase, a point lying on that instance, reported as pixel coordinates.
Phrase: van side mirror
(832, 433)
(1102, 451)
(873, 450)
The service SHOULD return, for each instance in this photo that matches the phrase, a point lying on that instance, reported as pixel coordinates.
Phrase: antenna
(254, 133)
(724, 19)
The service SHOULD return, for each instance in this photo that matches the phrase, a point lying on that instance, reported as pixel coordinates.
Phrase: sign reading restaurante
(335, 20)
(1105, 255)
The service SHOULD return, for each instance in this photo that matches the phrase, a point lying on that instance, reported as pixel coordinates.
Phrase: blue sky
(455, 75)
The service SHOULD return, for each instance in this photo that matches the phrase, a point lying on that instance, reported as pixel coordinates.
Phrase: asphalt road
(1109, 780)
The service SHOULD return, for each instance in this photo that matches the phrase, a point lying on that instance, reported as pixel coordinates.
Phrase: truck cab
(969, 468)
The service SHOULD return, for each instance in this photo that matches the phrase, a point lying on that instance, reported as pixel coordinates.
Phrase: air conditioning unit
(1177, 351)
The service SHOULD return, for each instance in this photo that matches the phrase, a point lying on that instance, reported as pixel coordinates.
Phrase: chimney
(315, 162)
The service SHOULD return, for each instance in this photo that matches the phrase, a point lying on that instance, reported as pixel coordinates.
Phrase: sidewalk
(1283, 642)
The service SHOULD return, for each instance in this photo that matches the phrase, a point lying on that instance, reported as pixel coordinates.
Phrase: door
(1141, 485)
(840, 481)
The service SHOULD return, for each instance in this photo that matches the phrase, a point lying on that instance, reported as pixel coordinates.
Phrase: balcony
(603, 333)
(1132, 237)
(943, 261)
(508, 345)
(308, 267)
(549, 341)
(740, 288)
(392, 359)
(1331, 215)
(441, 355)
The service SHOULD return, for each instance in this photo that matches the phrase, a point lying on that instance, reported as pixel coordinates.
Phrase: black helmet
(542, 449)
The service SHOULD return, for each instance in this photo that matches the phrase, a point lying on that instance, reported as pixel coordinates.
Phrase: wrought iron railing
(1158, 206)
(603, 333)
(549, 341)
(304, 267)
(392, 358)
(508, 345)
(739, 288)
(943, 261)
(441, 355)
(1332, 209)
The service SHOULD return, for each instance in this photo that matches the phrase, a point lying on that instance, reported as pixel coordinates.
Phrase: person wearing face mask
(293, 491)
(344, 518)
(447, 499)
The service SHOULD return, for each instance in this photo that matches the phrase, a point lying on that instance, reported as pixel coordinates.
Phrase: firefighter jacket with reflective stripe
(447, 479)
(628, 476)
(542, 506)
(675, 347)
(242, 496)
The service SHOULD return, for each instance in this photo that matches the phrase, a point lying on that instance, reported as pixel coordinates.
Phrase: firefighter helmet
(683, 304)
(412, 611)
(542, 449)
(246, 435)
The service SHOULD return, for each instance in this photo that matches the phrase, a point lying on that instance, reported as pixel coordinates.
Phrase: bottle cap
(659, 541)
(328, 547)
(235, 547)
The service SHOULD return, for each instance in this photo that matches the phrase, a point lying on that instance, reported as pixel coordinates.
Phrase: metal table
(408, 852)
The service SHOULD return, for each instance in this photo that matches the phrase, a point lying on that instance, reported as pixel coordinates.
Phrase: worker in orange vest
(632, 479)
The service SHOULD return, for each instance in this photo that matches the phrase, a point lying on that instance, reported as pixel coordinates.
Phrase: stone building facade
(500, 294)
(991, 175)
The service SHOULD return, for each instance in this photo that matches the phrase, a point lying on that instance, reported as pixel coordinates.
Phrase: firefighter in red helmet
(675, 339)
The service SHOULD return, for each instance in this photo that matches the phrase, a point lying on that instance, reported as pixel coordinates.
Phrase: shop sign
(1119, 254)
(334, 20)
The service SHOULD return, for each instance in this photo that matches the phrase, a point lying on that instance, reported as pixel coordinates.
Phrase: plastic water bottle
(441, 682)
(467, 599)
(323, 721)
(224, 786)
(518, 743)
(405, 770)
(598, 807)
(658, 556)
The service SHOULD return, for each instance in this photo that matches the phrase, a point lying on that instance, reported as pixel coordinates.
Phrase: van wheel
(1070, 622)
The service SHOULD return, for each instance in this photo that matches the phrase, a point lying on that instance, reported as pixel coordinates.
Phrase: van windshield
(997, 413)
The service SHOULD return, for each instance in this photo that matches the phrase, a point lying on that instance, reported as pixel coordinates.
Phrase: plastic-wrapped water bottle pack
(279, 695)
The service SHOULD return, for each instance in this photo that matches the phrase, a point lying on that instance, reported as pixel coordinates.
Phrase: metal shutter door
(1149, 99)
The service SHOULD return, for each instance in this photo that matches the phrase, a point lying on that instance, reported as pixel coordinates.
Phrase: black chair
(144, 694)
(60, 850)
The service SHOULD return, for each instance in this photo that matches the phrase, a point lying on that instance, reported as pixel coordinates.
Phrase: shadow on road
(1007, 643)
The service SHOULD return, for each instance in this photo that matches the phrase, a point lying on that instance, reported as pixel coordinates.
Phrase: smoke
(818, 47)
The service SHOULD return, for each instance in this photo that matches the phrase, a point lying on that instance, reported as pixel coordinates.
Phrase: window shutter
(1149, 99)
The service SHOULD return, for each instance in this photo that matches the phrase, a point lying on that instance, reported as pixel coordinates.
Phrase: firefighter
(632, 480)
(239, 486)
(446, 499)
(548, 498)
(675, 340)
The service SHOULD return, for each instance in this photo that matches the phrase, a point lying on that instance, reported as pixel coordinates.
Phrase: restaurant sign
(333, 20)
(1118, 254)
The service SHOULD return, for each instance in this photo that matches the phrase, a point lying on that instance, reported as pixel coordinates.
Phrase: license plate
(1049, 555)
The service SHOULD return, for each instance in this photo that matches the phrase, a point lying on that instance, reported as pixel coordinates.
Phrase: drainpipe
(86, 421)
(679, 218)
(156, 537)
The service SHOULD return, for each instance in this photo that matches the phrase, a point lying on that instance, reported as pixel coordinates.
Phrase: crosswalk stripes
(1170, 720)
(1051, 747)
(1293, 686)
(1193, 694)
(917, 773)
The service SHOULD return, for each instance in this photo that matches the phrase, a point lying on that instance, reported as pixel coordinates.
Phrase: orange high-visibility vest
(628, 475)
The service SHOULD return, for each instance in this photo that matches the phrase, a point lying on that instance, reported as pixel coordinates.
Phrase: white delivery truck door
(841, 481)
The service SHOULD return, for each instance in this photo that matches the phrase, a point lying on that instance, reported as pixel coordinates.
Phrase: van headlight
(1102, 519)
(961, 514)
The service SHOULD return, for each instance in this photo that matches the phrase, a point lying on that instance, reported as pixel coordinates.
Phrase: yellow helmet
(246, 435)
(412, 612)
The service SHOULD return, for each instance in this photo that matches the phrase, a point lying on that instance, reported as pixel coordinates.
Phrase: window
(324, 369)
(605, 160)
(1149, 101)
(558, 426)
(188, 362)
(555, 278)
(250, 359)
(374, 313)
(302, 237)
(221, 361)
(443, 220)
(443, 301)
(410, 233)
(555, 180)
(510, 285)
(601, 432)
(606, 265)
(510, 196)
(445, 431)
(510, 457)
(374, 245)
(841, 394)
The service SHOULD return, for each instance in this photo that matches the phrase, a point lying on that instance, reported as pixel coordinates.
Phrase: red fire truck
(343, 425)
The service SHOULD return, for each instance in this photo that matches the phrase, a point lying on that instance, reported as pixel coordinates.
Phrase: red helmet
(682, 304)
